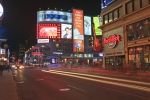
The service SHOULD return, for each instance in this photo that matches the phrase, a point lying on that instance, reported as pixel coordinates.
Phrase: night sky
(20, 16)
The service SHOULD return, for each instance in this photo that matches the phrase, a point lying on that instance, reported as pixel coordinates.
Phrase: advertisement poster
(97, 29)
(78, 29)
(54, 16)
(66, 31)
(48, 31)
(87, 25)
(78, 45)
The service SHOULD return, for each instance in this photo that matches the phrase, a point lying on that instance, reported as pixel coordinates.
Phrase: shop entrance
(114, 62)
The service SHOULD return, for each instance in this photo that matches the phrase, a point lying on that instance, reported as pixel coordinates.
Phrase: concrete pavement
(8, 90)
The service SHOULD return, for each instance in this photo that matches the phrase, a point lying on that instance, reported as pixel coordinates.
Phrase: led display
(48, 31)
(105, 3)
(66, 31)
(87, 25)
(78, 30)
(97, 22)
(54, 16)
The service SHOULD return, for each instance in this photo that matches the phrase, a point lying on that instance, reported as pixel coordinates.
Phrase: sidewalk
(132, 75)
(7, 87)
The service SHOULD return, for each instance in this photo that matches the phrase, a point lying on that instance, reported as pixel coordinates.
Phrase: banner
(87, 25)
(78, 31)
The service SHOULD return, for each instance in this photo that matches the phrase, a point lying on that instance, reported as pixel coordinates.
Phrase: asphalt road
(34, 84)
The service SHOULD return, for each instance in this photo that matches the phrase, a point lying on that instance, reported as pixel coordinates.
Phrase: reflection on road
(18, 75)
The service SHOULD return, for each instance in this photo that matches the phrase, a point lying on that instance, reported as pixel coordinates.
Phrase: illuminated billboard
(97, 23)
(66, 31)
(78, 30)
(54, 16)
(87, 25)
(48, 31)
(105, 3)
(78, 45)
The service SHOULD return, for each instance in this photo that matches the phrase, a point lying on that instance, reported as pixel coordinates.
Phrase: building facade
(132, 17)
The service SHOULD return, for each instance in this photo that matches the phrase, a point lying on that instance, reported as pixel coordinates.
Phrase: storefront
(114, 55)
(138, 37)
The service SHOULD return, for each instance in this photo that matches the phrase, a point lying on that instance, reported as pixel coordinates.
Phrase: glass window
(105, 19)
(145, 3)
(129, 7)
(110, 17)
(136, 4)
(115, 14)
(120, 11)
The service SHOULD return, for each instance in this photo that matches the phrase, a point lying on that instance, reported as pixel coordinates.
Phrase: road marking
(64, 89)
(142, 88)
(40, 79)
(103, 77)
(20, 82)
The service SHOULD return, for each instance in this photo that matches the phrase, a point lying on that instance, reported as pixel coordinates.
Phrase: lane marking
(64, 89)
(103, 77)
(20, 82)
(40, 79)
(142, 88)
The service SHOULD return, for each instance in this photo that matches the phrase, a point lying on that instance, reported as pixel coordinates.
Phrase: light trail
(142, 88)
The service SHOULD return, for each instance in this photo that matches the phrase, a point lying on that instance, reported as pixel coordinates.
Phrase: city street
(38, 84)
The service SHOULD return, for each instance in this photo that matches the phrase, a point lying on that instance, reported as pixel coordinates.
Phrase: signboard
(54, 16)
(96, 21)
(66, 31)
(87, 25)
(105, 3)
(48, 31)
(1, 10)
(113, 42)
(78, 31)
(42, 40)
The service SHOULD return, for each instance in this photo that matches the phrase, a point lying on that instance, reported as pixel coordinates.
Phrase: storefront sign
(112, 40)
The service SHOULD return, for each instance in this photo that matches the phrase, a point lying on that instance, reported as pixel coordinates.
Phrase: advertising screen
(54, 16)
(105, 3)
(78, 45)
(66, 31)
(87, 25)
(97, 22)
(48, 31)
(78, 29)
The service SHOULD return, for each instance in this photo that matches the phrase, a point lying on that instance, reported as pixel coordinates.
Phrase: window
(105, 19)
(115, 14)
(145, 3)
(129, 7)
(110, 17)
(120, 11)
(136, 4)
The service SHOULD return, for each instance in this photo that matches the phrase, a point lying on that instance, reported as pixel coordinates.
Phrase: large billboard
(78, 30)
(54, 16)
(105, 3)
(87, 25)
(48, 31)
(66, 31)
(97, 23)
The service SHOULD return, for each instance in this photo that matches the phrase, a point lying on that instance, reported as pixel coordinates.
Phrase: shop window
(110, 17)
(129, 7)
(146, 27)
(145, 3)
(115, 14)
(136, 4)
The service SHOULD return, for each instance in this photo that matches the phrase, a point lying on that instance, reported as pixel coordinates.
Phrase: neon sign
(112, 40)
